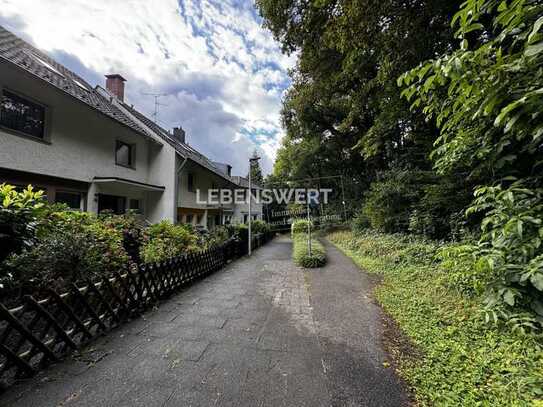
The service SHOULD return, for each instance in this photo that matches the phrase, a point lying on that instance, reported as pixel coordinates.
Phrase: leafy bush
(259, 226)
(485, 96)
(17, 218)
(165, 240)
(360, 223)
(300, 252)
(219, 235)
(75, 248)
(509, 253)
(131, 230)
(459, 359)
(300, 226)
(389, 201)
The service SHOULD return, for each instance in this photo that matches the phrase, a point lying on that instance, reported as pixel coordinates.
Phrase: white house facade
(88, 149)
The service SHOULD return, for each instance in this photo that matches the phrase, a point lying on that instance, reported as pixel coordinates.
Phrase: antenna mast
(157, 96)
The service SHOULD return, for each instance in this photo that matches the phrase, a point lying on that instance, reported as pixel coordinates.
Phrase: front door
(113, 203)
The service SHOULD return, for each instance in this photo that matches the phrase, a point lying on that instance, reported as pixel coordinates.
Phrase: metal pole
(251, 160)
(308, 223)
(343, 199)
(250, 220)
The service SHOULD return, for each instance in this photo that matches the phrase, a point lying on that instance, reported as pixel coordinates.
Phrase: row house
(88, 148)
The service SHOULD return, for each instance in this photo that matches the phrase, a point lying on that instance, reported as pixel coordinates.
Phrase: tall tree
(344, 114)
(255, 170)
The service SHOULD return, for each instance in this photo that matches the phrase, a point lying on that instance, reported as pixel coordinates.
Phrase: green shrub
(300, 226)
(360, 223)
(75, 248)
(17, 218)
(259, 226)
(509, 253)
(165, 240)
(131, 230)
(300, 252)
(219, 235)
(459, 359)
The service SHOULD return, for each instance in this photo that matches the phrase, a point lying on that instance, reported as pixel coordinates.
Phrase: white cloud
(223, 72)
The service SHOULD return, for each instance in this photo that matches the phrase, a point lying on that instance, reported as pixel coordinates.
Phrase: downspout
(178, 171)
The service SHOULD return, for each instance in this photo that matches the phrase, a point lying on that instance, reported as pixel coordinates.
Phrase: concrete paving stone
(260, 332)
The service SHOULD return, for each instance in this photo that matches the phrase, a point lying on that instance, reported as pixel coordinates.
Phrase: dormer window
(22, 115)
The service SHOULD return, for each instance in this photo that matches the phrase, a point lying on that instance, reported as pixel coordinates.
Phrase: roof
(35, 62)
(183, 149)
(244, 182)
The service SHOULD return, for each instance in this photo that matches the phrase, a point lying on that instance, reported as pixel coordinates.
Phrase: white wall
(81, 145)
(82, 141)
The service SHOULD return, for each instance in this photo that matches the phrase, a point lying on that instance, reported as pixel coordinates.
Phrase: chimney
(179, 134)
(115, 85)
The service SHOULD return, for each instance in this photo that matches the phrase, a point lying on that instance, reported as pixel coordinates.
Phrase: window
(135, 205)
(245, 218)
(124, 154)
(72, 199)
(22, 115)
(190, 216)
(199, 219)
(190, 182)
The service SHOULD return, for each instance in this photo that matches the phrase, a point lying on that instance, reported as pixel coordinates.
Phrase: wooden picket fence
(41, 331)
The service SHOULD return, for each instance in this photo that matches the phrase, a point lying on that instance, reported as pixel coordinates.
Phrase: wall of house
(81, 145)
(243, 209)
(163, 161)
(188, 204)
(82, 141)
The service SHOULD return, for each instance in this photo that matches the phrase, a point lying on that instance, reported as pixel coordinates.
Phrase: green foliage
(360, 223)
(217, 236)
(343, 114)
(300, 226)
(165, 240)
(509, 250)
(486, 99)
(71, 247)
(459, 359)
(300, 252)
(388, 202)
(256, 171)
(259, 226)
(486, 95)
(17, 218)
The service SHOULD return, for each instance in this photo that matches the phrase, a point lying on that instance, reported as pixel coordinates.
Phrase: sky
(221, 74)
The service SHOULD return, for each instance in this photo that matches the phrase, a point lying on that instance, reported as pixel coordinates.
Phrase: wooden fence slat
(60, 330)
(71, 314)
(53, 324)
(94, 316)
(16, 360)
(4, 313)
(101, 298)
(115, 295)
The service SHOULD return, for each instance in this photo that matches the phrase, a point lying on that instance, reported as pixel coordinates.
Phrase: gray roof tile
(16, 51)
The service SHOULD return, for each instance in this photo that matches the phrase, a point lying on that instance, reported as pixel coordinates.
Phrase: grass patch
(464, 361)
(300, 253)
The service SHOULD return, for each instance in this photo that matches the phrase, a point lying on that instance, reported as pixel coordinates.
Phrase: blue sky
(222, 72)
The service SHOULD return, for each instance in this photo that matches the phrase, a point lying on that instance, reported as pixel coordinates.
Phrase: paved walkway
(261, 332)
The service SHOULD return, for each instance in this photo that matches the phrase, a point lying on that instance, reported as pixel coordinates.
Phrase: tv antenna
(157, 96)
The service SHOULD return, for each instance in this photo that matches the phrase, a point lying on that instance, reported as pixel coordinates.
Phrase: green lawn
(462, 361)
